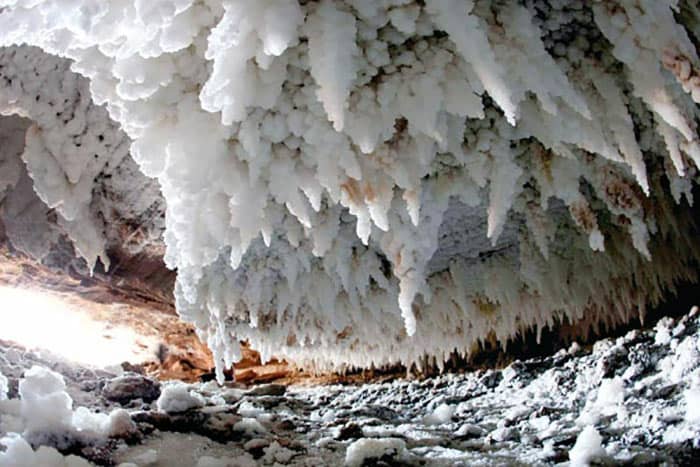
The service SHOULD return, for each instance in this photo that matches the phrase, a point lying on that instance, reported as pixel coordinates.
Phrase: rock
(663, 392)
(131, 368)
(371, 412)
(124, 389)
(491, 378)
(92, 385)
(469, 430)
(269, 402)
(285, 425)
(350, 431)
(372, 451)
(256, 447)
(268, 390)
(613, 361)
(178, 397)
(12, 388)
(263, 373)
(504, 434)
(156, 419)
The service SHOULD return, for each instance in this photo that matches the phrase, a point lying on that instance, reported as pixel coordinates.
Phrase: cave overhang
(349, 183)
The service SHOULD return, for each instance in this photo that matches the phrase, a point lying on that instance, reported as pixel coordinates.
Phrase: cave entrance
(72, 328)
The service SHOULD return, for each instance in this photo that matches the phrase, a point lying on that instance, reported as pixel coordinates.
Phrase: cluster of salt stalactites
(69, 143)
(309, 153)
(56, 142)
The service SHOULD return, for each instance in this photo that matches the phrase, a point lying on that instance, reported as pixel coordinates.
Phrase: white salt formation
(365, 182)
(366, 448)
(44, 415)
(588, 447)
(75, 160)
(3, 387)
(176, 397)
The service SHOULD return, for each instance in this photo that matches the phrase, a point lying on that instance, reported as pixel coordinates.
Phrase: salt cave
(361, 183)
(351, 184)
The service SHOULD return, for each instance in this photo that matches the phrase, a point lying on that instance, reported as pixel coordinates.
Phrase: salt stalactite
(75, 158)
(70, 142)
(331, 168)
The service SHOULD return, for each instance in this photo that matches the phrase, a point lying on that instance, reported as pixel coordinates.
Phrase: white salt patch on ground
(250, 426)
(588, 447)
(278, 453)
(609, 401)
(439, 454)
(117, 423)
(45, 404)
(441, 415)
(368, 448)
(692, 401)
(3, 387)
(663, 331)
(246, 409)
(177, 397)
(19, 453)
(611, 392)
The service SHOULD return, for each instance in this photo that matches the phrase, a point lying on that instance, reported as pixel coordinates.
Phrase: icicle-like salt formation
(332, 168)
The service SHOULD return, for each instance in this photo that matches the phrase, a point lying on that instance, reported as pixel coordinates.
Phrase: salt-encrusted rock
(503, 434)
(124, 389)
(178, 397)
(470, 430)
(365, 450)
(268, 390)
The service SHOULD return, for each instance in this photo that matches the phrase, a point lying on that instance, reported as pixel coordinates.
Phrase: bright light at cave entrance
(41, 320)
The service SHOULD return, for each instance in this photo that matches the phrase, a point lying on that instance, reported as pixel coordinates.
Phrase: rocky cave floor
(632, 400)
